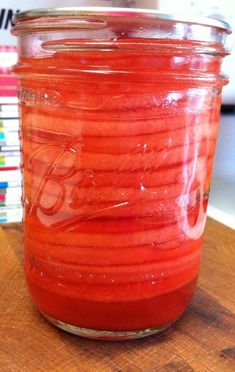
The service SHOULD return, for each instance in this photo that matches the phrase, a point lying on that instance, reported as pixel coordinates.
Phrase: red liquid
(117, 159)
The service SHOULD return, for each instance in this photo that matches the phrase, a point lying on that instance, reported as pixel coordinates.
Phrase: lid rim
(117, 12)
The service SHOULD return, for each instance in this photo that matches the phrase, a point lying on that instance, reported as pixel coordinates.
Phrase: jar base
(105, 335)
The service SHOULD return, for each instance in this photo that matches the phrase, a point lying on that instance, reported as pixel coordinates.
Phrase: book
(11, 192)
(9, 153)
(10, 148)
(11, 175)
(9, 161)
(8, 107)
(8, 136)
(9, 114)
(8, 100)
(9, 124)
(9, 184)
(5, 201)
(5, 142)
(11, 214)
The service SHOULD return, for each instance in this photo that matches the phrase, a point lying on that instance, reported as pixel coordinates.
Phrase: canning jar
(119, 117)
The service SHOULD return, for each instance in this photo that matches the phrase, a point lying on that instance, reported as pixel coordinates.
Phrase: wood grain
(203, 340)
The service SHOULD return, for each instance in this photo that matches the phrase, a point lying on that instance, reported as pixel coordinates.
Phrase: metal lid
(114, 11)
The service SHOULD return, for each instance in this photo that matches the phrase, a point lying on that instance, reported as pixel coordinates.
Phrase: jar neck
(115, 26)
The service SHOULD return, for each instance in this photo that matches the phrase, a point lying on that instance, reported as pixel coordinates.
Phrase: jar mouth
(27, 19)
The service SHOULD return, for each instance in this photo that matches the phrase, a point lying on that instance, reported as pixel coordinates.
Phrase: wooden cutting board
(203, 340)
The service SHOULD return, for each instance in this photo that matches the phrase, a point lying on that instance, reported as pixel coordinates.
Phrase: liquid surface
(117, 159)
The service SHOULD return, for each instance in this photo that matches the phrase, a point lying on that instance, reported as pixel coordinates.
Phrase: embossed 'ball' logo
(63, 178)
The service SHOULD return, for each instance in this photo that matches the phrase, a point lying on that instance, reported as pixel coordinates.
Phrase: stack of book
(10, 175)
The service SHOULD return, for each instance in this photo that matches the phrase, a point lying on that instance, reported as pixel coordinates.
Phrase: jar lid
(114, 11)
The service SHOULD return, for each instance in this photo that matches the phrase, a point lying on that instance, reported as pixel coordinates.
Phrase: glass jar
(119, 117)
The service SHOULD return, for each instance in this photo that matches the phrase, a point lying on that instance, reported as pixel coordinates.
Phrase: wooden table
(203, 340)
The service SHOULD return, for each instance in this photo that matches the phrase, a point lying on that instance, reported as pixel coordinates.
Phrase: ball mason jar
(119, 117)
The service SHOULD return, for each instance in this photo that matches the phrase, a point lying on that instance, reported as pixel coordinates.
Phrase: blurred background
(222, 196)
